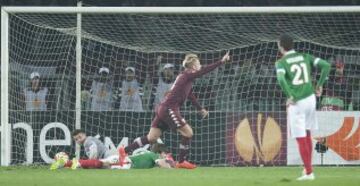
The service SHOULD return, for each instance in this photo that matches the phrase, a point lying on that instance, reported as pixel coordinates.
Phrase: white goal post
(6, 145)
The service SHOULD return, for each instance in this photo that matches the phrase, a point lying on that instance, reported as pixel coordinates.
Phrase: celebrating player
(168, 114)
(294, 76)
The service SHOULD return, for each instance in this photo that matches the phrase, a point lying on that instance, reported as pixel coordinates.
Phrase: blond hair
(189, 60)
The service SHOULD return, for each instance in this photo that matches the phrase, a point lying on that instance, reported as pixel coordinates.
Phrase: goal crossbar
(183, 10)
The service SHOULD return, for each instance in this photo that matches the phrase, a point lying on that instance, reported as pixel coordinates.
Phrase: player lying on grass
(94, 150)
(168, 112)
(158, 156)
(294, 76)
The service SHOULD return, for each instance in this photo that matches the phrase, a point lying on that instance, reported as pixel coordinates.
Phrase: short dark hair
(286, 42)
(77, 131)
(159, 148)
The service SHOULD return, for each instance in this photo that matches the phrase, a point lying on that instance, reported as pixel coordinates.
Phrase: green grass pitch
(204, 176)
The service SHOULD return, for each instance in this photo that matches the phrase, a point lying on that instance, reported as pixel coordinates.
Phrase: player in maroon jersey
(168, 112)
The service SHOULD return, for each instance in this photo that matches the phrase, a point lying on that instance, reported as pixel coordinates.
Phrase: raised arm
(205, 70)
(210, 67)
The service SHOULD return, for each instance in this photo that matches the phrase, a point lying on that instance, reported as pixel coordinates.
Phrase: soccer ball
(61, 155)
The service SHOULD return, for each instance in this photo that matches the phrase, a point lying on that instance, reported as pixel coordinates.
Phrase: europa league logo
(264, 146)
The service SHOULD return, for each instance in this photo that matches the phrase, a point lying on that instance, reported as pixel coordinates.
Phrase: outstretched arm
(210, 67)
(205, 70)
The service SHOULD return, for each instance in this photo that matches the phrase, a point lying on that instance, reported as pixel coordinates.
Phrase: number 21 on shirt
(301, 73)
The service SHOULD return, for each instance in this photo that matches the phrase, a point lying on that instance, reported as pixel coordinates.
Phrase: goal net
(129, 62)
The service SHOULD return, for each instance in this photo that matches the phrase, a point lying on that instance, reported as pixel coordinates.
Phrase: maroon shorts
(167, 118)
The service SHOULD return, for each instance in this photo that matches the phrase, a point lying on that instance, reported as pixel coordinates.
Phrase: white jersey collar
(289, 52)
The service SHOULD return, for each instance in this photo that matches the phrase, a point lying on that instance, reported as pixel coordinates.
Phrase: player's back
(144, 160)
(297, 68)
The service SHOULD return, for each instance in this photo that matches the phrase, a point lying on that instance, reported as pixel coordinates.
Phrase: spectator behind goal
(131, 92)
(35, 96)
(101, 91)
(166, 81)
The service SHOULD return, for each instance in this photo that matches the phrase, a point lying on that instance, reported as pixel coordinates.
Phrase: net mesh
(245, 103)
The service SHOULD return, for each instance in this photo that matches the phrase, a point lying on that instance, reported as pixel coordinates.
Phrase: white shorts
(301, 116)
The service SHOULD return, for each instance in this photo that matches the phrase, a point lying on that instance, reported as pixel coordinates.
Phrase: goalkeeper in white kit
(294, 76)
